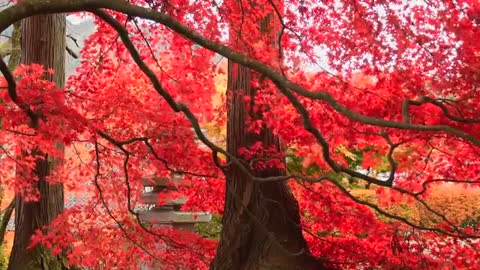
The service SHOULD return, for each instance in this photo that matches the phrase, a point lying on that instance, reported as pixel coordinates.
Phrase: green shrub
(3, 258)
(210, 230)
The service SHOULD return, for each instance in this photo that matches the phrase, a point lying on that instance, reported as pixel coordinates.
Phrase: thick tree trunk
(261, 222)
(42, 42)
(267, 234)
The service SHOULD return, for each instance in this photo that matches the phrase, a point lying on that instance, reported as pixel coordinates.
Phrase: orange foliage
(458, 204)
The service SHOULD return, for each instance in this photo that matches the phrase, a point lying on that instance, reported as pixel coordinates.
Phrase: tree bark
(261, 222)
(267, 234)
(42, 42)
(15, 53)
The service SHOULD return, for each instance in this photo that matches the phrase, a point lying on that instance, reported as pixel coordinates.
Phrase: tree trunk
(42, 42)
(261, 222)
(267, 234)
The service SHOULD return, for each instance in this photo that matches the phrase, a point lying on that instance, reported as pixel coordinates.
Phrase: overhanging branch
(12, 91)
(34, 7)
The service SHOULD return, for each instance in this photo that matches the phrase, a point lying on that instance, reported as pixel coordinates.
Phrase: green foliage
(472, 222)
(294, 165)
(355, 161)
(211, 229)
(3, 258)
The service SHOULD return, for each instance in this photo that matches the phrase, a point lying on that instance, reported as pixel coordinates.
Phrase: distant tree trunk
(42, 42)
(268, 234)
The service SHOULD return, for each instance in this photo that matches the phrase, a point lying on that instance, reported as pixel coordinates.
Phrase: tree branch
(34, 7)
(396, 217)
(12, 91)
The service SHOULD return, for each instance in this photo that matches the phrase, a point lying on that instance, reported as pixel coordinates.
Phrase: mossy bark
(14, 59)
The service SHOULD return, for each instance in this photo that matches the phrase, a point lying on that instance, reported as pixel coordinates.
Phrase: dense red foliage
(401, 79)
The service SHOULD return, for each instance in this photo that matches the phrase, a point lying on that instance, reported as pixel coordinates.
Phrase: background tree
(42, 42)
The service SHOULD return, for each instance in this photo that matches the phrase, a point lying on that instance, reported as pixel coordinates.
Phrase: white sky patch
(77, 19)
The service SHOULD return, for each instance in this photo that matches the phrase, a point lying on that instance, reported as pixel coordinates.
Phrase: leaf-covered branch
(34, 7)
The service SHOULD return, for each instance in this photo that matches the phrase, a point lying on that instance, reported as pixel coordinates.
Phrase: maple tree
(392, 106)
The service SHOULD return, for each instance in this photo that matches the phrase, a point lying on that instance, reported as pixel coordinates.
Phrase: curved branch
(307, 124)
(288, 88)
(399, 218)
(34, 7)
(179, 107)
(441, 105)
(109, 212)
(176, 106)
(12, 91)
